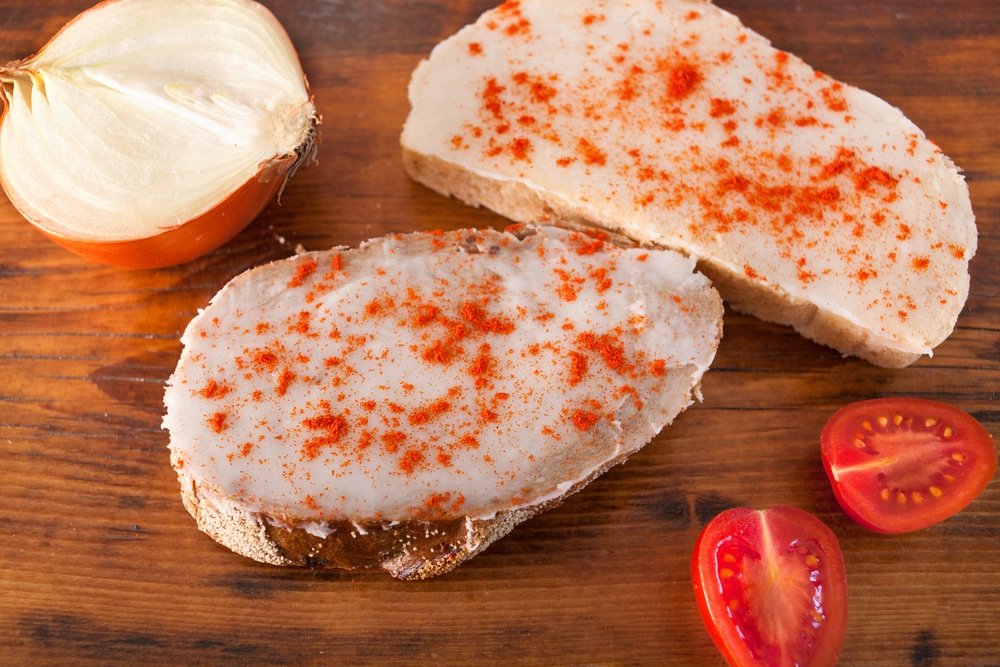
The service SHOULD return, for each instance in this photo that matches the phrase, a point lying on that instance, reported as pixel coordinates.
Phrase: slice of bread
(806, 201)
(405, 404)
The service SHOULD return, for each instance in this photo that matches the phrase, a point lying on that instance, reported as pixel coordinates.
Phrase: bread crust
(515, 200)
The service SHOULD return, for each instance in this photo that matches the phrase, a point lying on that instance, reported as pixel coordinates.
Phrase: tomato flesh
(771, 587)
(902, 464)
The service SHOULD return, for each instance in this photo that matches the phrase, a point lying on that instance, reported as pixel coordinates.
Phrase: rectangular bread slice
(404, 404)
(807, 202)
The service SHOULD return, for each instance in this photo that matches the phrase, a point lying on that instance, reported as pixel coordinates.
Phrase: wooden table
(100, 562)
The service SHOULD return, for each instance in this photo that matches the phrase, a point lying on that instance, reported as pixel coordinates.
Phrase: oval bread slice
(404, 404)
(808, 202)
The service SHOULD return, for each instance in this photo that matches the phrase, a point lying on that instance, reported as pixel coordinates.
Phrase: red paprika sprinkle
(776, 118)
(302, 324)
(609, 346)
(426, 313)
(844, 161)
(366, 440)
(590, 153)
(482, 366)
(520, 148)
(441, 352)
(541, 93)
(873, 175)
(303, 271)
(475, 48)
(566, 289)
(437, 499)
(335, 427)
(265, 359)
(587, 245)
(491, 98)
(833, 97)
(600, 276)
(425, 414)
(214, 389)
(477, 316)
(577, 368)
(392, 440)
(217, 422)
(684, 77)
(722, 107)
(410, 460)
(584, 419)
(284, 381)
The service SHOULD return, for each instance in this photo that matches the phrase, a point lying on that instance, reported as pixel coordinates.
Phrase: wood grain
(100, 563)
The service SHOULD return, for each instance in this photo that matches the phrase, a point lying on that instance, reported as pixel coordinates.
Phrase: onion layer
(147, 133)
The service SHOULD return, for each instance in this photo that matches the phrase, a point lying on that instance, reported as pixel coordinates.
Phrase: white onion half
(147, 133)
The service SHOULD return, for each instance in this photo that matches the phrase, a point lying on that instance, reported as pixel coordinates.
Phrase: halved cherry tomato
(901, 464)
(771, 587)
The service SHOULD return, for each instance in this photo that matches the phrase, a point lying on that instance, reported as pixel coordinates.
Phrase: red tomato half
(901, 464)
(771, 587)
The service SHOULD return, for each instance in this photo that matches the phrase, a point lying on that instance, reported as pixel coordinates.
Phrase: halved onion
(147, 133)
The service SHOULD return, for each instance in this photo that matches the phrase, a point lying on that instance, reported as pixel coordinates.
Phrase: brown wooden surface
(99, 561)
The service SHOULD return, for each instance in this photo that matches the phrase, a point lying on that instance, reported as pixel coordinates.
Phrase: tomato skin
(774, 572)
(902, 464)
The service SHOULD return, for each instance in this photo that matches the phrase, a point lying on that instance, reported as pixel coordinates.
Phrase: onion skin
(191, 239)
(188, 240)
